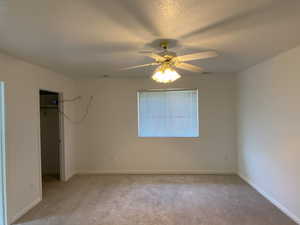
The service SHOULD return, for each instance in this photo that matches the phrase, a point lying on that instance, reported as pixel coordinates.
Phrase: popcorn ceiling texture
(88, 39)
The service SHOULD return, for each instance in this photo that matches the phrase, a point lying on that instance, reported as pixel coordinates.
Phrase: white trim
(70, 177)
(281, 207)
(39, 153)
(167, 89)
(62, 153)
(158, 172)
(23, 211)
(3, 152)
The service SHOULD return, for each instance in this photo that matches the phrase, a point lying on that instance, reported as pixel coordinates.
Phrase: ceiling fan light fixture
(165, 75)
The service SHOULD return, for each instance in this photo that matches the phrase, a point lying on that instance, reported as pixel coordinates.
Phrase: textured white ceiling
(90, 38)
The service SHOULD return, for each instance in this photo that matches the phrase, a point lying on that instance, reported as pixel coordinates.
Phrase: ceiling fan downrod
(164, 45)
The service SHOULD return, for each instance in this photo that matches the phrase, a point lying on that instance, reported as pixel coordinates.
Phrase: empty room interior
(161, 112)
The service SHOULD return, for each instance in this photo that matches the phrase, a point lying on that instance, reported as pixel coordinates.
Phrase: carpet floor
(153, 200)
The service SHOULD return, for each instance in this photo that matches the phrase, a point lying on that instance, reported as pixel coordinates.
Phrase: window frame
(164, 90)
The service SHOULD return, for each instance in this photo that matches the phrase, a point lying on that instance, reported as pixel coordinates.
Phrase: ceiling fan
(167, 60)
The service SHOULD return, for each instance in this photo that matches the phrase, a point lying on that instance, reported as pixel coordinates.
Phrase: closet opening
(51, 136)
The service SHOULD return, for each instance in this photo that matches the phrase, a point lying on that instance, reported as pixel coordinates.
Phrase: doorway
(50, 131)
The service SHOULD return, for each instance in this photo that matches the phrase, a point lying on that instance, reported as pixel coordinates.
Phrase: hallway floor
(153, 200)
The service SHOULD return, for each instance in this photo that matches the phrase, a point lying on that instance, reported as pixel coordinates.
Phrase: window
(168, 113)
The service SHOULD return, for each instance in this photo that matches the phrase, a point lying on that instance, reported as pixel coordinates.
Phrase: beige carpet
(153, 200)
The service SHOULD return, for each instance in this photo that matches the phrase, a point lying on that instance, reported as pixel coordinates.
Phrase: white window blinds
(168, 113)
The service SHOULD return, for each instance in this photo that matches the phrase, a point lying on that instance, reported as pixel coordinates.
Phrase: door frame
(3, 151)
(62, 157)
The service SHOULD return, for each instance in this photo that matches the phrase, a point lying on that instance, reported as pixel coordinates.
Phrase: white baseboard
(271, 199)
(69, 177)
(24, 210)
(163, 172)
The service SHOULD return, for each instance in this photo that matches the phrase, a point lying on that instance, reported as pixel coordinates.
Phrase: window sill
(170, 138)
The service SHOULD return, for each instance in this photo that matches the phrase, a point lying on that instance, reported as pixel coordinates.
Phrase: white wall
(23, 81)
(269, 129)
(108, 137)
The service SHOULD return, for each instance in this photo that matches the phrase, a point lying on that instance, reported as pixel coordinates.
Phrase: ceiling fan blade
(195, 56)
(189, 67)
(139, 66)
(153, 55)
